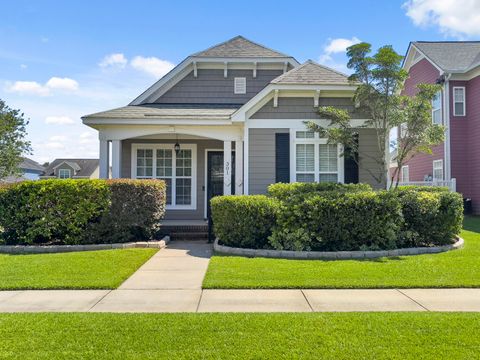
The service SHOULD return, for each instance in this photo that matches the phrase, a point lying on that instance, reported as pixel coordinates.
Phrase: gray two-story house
(231, 120)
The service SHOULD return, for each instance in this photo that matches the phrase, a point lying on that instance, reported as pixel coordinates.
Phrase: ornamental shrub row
(299, 217)
(80, 211)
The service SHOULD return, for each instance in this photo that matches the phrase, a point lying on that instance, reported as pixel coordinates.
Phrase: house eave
(156, 121)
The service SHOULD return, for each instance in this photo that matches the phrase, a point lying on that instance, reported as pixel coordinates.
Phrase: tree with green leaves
(379, 80)
(13, 143)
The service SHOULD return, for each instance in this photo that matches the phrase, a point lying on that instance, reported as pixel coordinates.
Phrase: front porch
(195, 167)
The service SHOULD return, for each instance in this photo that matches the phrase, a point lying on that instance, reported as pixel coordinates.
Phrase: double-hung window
(405, 174)
(437, 108)
(178, 170)
(314, 160)
(459, 101)
(437, 170)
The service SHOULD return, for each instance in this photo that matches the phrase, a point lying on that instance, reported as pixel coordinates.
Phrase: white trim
(116, 159)
(239, 85)
(407, 67)
(238, 167)
(455, 102)
(405, 167)
(69, 173)
(440, 108)
(227, 167)
(246, 159)
(156, 121)
(104, 161)
(436, 162)
(293, 123)
(447, 122)
(316, 141)
(154, 148)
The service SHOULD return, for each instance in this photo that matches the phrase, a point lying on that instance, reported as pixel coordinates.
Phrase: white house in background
(231, 120)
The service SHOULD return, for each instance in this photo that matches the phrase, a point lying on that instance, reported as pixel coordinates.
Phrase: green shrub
(51, 210)
(135, 211)
(81, 211)
(284, 191)
(333, 222)
(243, 221)
(433, 189)
(431, 217)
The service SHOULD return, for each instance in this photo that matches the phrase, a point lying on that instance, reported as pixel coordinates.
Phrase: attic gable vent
(240, 85)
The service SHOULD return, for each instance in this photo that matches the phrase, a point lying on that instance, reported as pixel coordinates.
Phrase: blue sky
(63, 59)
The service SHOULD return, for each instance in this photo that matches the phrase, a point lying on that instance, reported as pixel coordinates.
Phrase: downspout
(446, 102)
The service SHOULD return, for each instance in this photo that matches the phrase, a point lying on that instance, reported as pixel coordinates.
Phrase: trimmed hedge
(243, 221)
(284, 191)
(300, 218)
(80, 211)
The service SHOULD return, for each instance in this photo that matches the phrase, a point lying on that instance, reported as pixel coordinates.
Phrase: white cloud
(28, 87)
(35, 88)
(336, 47)
(58, 138)
(54, 145)
(114, 60)
(151, 65)
(44, 39)
(59, 120)
(23, 66)
(87, 138)
(459, 18)
(62, 84)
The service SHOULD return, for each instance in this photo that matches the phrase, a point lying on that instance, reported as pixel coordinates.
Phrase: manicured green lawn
(105, 269)
(459, 268)
(240, 336)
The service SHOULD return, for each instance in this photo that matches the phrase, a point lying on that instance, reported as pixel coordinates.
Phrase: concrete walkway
(171, 282)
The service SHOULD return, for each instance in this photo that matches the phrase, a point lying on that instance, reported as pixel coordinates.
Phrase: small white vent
(240, 85)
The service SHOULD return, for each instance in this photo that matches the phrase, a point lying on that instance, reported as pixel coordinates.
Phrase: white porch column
(238, 167)
(227, 168)
(104, 159)
(116, 159)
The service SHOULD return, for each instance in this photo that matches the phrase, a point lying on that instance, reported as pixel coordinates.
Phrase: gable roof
(84, 167)
(239, 47)
(451, 56)
(312, 73)
(29, 164)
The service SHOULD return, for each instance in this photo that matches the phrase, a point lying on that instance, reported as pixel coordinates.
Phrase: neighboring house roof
(451, 56)
(239, 47)
(83, 167)
(311, 73)
(166, 112)
(29, 164)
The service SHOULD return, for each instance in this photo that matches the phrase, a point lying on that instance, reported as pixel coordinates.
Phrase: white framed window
(437, 170)
(240, 85)
(64, 173)
(437, 108)
(405, 174)
(313, 159)
(459, 108)
(403, 130)
(178, 170)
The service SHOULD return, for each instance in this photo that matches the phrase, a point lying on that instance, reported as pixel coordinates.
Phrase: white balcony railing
(451, 184)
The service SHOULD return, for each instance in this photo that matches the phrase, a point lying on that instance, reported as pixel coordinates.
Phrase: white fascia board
(426, 57)
(156, 121)
(221, 60)
(163, 81)
(295, 123)
(241, 114)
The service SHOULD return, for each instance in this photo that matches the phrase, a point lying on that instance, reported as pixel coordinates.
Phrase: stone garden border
(334, 255)
(35, 249)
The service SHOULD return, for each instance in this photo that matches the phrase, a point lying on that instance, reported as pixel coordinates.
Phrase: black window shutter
(351, 166)
(282, 157)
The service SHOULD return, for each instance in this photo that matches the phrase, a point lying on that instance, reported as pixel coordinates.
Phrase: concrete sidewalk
(196, 300)
(171, 281)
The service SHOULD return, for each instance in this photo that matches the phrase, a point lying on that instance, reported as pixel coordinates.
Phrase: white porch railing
(451, 184)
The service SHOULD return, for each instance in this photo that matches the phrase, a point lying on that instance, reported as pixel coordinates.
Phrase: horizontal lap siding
(197, 214)
(211, 87)
(473, 149)
(261, 155)
(301, 108)
(422, 164)
(369, 158)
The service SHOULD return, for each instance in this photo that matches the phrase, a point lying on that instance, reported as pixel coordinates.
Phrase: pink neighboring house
(455, 65)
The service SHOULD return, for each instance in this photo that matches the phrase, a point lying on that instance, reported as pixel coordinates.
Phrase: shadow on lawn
(472, 223)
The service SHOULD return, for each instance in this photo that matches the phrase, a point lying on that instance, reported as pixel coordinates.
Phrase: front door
(215, 175)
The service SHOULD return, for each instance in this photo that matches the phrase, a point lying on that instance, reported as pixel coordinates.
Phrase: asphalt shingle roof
(239, 47)
(166, 112)
(311, 73)
(86, 167)
(457, 56)
(29, 164)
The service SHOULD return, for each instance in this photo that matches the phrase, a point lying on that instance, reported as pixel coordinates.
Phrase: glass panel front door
(215, 175)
